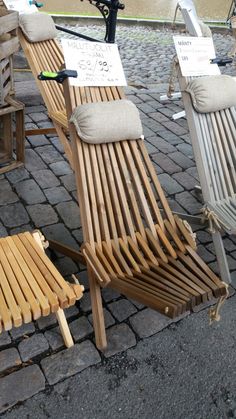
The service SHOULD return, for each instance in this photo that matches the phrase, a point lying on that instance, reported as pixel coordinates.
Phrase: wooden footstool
(31, 286)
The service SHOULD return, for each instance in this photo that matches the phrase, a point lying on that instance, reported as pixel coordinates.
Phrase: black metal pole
(115, 5)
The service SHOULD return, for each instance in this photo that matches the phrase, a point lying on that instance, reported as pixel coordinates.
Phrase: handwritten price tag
(97, 64)
(194, 56)
(21, 6)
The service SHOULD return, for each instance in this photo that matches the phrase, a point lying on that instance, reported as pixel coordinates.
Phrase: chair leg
(64, 328)
(221, 257)
(97, 310)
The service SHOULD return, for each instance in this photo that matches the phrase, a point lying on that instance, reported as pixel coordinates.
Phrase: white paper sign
(97, 64)
(194, 56)
(21, 6)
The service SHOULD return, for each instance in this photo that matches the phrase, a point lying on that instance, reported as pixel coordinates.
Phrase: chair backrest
(45, 56)
(117, 185)
(190, 17)
(213, 138)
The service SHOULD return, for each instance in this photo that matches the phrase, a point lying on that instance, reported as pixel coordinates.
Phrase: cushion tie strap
(214, 311)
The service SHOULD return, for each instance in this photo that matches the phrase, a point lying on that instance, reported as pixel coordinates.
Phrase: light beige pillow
(213, 93)
(37, 26)
(106, 122)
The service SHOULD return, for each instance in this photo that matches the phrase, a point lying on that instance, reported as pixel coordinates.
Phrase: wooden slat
(95, 264)
(57, 282)
(37, 275)
(7, 283)
(145, 249)
(112, 260)
(131, 261)
(116, 207)
(155, 246)
(29, 285)
(139, 188)
(130, 192)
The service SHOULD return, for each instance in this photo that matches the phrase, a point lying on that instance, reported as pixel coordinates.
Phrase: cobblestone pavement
(43, 195)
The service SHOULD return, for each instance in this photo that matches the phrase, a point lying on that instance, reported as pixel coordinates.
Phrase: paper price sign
(97, 64)
(194, 55)
(21, 6)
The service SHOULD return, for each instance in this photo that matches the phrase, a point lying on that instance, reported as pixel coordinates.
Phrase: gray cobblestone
(66, 266)
(163, 145)
(20, 385)
(108, 294)
(119, 337)
(49, 154)
(13, 215)
(42, 215)
(83, 279)
(33, 346)
(54, 338)
(122, 309)
(205, 254)
(9, 358)
(108, 319)
(17, 175)
(174, 127)
(5, 339)
(182, 160)
(57, 144)
(85, 303)
(187, 201)
(169, 184)
(186, 149)
(45, 178)
(47, 321)
(148, 322)
(170, 136)
(60, 233)
(21, 229)
(38, 116)
(25, 329)
(69, 182)
(80, 328)
(56, 195)
(36, 108)
(7, 196)
(33, 161)
(60, 168)
(166, 163)
(69, 212)
(186, 180)
(69, 362)
(3, 231)
(38, 140)
(30, 192)
(193, 172)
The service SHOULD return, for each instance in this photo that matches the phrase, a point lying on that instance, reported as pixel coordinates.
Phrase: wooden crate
(6, 79)
(12, 144)
(9, 44)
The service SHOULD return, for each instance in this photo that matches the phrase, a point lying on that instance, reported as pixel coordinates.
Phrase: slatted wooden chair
(48, 55)
(31, 286)
(213, 137)
(128, 244)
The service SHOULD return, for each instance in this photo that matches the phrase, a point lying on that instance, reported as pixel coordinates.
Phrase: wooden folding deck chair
(128, 244)
(213, 138)
(194, 27)
(48, 55)
(31, 286)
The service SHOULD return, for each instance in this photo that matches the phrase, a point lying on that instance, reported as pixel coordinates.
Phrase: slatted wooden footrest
(170, 283)
(30, 285)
